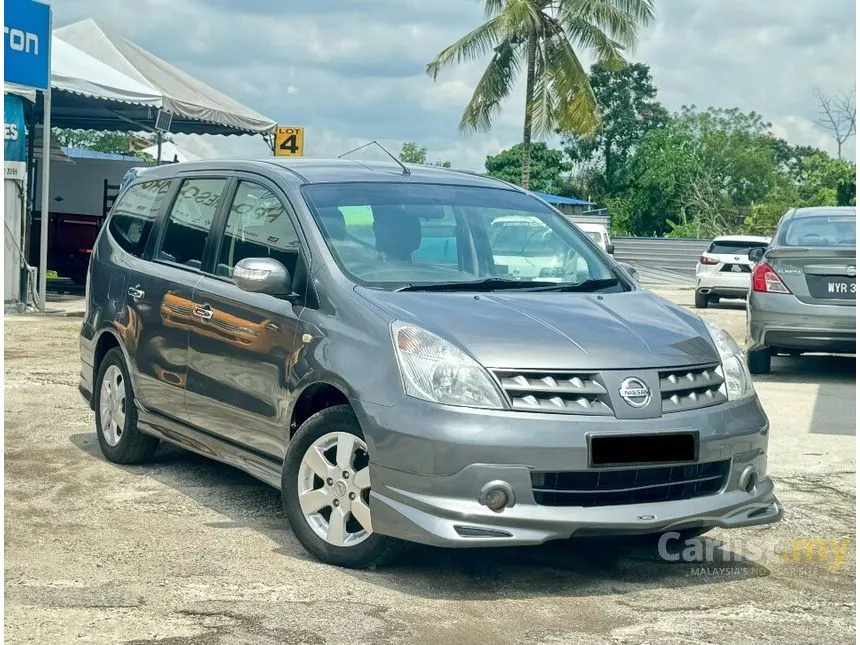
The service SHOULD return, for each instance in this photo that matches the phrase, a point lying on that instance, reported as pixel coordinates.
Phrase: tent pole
(158, 150)
(46, 204)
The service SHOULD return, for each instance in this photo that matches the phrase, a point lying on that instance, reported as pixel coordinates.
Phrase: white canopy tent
(185, 97)
(74, 71)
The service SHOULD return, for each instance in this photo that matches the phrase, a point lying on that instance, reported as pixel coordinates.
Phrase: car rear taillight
(765, 280)
(706, 260)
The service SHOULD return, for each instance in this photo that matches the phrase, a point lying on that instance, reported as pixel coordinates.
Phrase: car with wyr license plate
(381, 343)
(723, 271)
(803, 293)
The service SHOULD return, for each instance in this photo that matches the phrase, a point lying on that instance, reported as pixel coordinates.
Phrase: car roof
(315, 171)
(820, 211)
(741, 238)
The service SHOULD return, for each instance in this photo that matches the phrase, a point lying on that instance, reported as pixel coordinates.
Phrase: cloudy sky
(352, 71)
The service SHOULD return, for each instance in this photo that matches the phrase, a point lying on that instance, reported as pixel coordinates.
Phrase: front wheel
(325, 489)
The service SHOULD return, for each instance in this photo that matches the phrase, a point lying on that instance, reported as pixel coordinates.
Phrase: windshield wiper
(592, 284)
(489, 284)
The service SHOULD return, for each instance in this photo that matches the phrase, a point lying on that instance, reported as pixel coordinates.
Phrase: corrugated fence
(659, 259)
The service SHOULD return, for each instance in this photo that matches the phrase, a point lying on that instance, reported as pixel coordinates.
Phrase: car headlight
(738, 380)
(434, 370)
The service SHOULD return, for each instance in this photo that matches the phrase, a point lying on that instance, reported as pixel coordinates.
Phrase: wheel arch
(105, 341)
(314, 397)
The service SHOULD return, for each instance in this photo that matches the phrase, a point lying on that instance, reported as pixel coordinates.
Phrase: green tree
(627, 106)
(113, 142)
(411, 152)
(540, 37)
(703, 172)
(548, 166)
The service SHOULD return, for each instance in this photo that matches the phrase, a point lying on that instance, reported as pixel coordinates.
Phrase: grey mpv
(411, 355)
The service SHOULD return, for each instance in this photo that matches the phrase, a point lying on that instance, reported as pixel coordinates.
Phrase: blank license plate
(833, 287)
(616, 450)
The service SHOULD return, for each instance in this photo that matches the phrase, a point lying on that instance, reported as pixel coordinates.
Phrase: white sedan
(724, 269)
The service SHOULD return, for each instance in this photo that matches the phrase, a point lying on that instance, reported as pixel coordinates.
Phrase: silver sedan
(803, 293)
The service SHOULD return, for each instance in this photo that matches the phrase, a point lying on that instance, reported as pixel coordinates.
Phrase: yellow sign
(289, 142)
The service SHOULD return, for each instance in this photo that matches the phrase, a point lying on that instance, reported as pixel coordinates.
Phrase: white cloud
(350, 73)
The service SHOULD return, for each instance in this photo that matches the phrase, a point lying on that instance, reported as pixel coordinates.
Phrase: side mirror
(756, 253)
(263, 275)
(610, 249)
(633, 273)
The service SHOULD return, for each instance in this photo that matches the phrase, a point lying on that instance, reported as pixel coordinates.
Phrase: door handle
(203, 311)
(135, 293)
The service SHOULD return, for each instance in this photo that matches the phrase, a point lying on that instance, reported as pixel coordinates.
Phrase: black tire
(133, 447)
(758, 361)
(701, 300)
(376, 550)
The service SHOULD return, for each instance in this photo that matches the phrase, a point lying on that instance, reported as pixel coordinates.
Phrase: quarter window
(135, 213)
(189, 221)
(258, 226)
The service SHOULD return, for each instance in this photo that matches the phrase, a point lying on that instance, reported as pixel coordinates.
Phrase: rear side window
(135, 212)
(189, 221)
(729, 247)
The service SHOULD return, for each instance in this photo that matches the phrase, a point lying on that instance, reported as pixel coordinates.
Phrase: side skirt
(263, 467)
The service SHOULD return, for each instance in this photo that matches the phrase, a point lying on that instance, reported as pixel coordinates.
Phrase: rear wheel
(701, 300)
(116, 415)
(326, 492)
(758, 361)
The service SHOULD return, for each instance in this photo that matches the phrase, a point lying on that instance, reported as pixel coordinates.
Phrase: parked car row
(800, 284)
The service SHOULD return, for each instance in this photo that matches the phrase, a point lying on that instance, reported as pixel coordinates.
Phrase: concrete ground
(188, 552)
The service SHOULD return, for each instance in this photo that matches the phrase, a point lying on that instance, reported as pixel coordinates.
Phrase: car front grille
(630, 485)
(690, 388)
(555, 391)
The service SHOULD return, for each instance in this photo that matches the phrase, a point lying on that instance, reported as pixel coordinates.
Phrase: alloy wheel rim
(334, 489)
(112, 405)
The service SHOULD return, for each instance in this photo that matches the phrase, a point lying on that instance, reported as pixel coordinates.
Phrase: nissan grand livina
(366, 338)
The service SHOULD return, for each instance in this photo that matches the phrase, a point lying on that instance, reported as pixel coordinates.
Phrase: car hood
(633, 330)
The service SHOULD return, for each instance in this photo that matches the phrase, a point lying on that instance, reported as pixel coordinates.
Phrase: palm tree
(542, 35)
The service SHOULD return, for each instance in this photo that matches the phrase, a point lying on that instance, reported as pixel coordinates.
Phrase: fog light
(496, 496)
(748, 480)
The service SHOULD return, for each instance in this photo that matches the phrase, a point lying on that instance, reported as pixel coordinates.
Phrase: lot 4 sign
(289, 141)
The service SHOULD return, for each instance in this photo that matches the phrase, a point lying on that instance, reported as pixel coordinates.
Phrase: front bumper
(426, 481)
(783, 321)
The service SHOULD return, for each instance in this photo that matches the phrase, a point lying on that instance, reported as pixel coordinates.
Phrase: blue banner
(14, 138)
(27, 43)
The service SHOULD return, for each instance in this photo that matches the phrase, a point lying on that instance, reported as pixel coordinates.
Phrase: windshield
(389, 235)
(821, 230)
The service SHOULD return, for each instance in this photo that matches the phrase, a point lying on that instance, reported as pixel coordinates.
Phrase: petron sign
(14, 166)
(27, 43)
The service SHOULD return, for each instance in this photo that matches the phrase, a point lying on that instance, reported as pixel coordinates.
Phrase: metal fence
(676, 255)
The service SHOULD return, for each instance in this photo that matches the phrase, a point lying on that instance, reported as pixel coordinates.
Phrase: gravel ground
(189, 552)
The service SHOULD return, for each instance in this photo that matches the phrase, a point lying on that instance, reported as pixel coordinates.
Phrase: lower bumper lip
(530, 524)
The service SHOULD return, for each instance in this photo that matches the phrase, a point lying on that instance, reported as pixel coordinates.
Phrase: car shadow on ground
(579, 567)
(812, 368)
